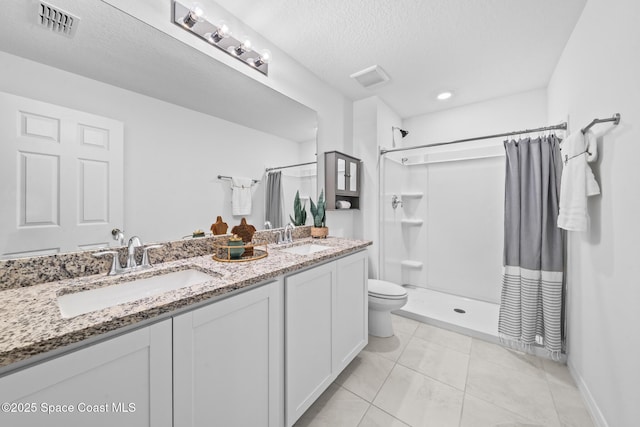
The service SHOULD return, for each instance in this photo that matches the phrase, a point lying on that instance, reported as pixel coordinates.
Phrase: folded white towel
(241, 195)
(343, 204)
(592, 147)
(578, 181)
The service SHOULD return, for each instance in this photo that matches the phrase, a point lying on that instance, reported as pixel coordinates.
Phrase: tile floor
(427, 376)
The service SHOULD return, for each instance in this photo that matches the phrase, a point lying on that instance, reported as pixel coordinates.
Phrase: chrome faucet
(134, 242)
(288, 233)
(116, 266)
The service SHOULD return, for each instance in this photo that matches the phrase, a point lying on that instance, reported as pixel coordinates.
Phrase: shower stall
(441, 219)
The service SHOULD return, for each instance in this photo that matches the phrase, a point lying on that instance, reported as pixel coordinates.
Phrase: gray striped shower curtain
(531, 307)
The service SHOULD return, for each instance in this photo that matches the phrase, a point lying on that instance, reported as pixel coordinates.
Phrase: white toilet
(383, 298)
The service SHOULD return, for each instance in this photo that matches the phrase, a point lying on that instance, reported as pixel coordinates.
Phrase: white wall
(172, 155)
(597, 76)
(372, 124)
(461, 240)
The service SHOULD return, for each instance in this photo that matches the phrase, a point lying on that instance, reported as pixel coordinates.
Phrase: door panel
(61, 178)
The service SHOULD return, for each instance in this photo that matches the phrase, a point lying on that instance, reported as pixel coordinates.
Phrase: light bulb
(195, 15)
(221, 32)
(245, 46)
(264, 58)
(444, 95)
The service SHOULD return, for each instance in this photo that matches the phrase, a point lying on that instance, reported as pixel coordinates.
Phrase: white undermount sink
(307, 249)
(108, 296)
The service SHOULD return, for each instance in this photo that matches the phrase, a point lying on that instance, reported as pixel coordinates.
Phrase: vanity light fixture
(193, 19)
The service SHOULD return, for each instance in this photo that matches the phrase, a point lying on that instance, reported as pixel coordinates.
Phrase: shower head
(393, 134)
(402, 131)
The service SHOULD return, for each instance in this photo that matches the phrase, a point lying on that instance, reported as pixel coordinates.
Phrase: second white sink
(108, 296)
(307, 249)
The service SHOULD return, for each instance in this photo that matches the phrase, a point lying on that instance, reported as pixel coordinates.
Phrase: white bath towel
(578, 181)
(241, 195)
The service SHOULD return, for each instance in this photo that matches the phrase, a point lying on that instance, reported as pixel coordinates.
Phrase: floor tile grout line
(364, 415)
(553, 397)
(443, 346)
(512, 368)
(499, 406)
(384, 381)
(427, 375)
(466, 380)
(359, 397)
(391, 415)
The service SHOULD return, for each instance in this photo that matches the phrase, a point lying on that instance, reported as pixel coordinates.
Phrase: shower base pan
(463, 315)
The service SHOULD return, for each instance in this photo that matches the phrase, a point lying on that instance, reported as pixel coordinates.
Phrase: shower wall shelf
(412, 195)
(412, 222)
(407, 263)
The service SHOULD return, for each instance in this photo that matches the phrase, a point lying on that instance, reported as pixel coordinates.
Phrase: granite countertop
(31, 323)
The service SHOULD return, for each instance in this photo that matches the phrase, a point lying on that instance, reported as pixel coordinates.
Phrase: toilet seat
(386, 290)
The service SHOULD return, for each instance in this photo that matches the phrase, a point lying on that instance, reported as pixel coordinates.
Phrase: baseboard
(592, 406)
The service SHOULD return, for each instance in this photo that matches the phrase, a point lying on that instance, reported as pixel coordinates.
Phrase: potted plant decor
(319, 230)
(299, 211)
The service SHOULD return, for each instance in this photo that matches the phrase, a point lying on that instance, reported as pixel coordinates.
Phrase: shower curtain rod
(561, 126)
(289, 166)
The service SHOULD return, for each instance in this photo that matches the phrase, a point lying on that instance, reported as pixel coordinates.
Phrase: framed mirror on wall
(185, 119)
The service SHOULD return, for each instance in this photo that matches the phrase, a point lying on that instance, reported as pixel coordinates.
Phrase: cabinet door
(350, 328)
(227, 362)
(309, 298)
(124, 381)
(341, 174)
(353, 177)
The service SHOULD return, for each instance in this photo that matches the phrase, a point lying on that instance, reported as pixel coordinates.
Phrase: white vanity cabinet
(122, 381)
(325, 328)
(227, 361)
(259, 357)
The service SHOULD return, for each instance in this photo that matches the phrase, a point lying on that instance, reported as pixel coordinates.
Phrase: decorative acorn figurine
(219, 227)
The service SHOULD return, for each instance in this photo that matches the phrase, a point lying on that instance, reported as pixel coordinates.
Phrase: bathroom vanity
(255, 345)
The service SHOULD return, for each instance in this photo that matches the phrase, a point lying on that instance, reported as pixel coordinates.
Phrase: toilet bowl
(383, 298)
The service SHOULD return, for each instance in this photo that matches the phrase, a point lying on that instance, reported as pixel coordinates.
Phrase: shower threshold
(467, 316)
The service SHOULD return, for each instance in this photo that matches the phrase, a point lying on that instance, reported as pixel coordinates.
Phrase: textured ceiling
(480, 49)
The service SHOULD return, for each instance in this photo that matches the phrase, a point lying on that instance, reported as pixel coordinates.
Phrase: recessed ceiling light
(444, 95)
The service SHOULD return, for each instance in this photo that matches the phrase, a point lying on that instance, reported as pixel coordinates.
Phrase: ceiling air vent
(57, 20)
(370, 77)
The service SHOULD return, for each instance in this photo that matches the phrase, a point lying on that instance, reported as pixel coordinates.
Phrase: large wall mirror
(179, 118)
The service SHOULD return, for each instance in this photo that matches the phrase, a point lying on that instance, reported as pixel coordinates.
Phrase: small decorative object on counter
(236, 253)
(235, 250)
(198, 233)
(245, 231)
(299, 211)
(319, 230)
(219, 227)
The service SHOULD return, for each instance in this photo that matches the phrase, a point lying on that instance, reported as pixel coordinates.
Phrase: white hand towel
(577, 183)
(592, 147)
(241, 195)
